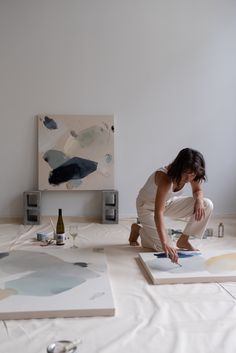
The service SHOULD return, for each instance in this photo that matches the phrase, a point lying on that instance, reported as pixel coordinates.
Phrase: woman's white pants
(176, 208)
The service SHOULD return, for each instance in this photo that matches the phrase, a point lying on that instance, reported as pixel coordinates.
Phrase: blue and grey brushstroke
(181, 255)
(55, 158)
(50, 123)
(3, 254)
(74, 168)
(92, 135)
(108, 158)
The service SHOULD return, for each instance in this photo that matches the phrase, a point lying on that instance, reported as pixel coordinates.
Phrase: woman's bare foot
(183, 243)
(134, 234)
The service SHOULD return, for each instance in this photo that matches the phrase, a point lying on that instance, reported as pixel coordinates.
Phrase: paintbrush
(177, 263)
(71, 345)
(53, 227)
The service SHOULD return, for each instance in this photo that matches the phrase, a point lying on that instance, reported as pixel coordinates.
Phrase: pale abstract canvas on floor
(192, 267)
(54, 282)
(75, 152)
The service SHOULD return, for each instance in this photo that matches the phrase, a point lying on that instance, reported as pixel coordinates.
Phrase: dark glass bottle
(60, 229)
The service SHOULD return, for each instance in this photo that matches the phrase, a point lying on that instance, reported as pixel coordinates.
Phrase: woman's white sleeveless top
(148, 191)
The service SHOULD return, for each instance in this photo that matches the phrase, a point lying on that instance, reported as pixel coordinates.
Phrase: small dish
(61, 347)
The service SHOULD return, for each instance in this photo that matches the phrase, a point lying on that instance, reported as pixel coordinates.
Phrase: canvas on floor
(54, 282)
(75, 152)
(192, 267)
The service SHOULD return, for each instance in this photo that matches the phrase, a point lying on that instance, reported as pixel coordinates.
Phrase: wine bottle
(60, 229)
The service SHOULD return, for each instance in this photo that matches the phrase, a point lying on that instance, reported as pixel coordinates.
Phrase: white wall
(166, 69)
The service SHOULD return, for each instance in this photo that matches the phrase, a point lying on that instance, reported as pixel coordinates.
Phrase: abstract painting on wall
(75, 152)
(192, 267)
(54, 283)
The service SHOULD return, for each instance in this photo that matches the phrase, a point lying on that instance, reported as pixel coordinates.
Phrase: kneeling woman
(161, 197)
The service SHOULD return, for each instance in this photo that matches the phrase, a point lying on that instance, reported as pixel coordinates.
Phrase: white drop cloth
(182, 318)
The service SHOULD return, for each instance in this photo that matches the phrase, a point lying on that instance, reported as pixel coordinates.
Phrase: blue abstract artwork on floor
(42, 274)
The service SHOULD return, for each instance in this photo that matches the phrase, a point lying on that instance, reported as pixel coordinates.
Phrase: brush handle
(52, 224)
(72, 345)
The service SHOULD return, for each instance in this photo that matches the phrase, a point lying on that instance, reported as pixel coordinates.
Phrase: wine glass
(73, 230)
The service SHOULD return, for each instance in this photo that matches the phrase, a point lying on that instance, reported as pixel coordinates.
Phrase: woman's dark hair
(188, 160)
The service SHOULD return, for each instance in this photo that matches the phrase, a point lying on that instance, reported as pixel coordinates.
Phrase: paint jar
(42, 237)
(220, 230)
(208, 233)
